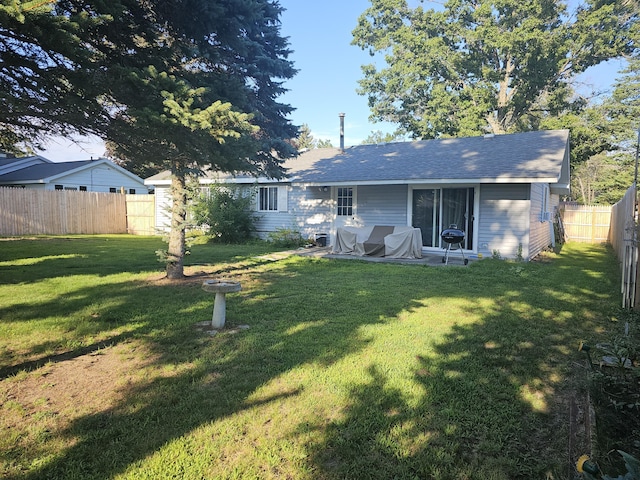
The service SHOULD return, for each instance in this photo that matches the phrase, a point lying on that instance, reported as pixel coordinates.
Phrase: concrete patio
(432, 259)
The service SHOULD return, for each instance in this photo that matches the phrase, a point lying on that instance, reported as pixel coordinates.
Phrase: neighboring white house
(99, 175)
(501, 190)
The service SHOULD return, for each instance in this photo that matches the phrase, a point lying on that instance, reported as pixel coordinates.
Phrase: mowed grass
(347, 370)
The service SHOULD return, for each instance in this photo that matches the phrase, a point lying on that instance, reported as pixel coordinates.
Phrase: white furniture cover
(379, 241)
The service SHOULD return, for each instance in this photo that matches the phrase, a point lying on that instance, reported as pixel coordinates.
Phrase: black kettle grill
(453, 237)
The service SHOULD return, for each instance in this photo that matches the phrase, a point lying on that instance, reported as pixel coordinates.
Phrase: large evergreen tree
(182, 85)
(484, 65)
(46, 74)
(216, 108)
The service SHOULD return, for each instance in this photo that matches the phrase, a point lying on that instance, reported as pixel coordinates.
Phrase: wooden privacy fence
(141, 214)
(586, 223)
(624, 240)
(26, 211)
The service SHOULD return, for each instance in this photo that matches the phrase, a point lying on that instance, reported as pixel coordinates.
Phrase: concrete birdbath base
(220, 288)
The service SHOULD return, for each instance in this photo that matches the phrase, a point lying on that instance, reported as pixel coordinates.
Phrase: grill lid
(452, 234)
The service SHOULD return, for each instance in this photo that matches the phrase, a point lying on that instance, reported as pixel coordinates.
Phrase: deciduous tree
(484, 65)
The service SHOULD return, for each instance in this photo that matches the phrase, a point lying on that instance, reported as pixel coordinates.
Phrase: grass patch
(348, 370)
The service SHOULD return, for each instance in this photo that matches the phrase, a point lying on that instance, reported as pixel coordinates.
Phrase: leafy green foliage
(224, 213)
(287, 238)
(48, 57)
(326, 143)
(602, 180)
(478, 65)
(378, 137)
(623, 107)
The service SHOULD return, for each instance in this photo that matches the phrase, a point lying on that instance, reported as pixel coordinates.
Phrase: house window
(132, 191)
(59, 187)
(268, 199)
(83, 188)
(545, 215)
(113, 190)
(345, 201)
(71, 188)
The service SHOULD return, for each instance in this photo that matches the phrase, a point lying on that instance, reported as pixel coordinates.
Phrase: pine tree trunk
(175, 254)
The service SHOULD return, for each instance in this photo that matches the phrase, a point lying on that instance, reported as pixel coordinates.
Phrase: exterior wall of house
(382, 205)
(312, 208)
(101, 178)
(508, 214)
(163, 208)
(504, 219)
(541, 218)
(306, 209)
(270, 221)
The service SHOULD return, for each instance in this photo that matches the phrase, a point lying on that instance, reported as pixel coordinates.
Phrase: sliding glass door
(436, 209)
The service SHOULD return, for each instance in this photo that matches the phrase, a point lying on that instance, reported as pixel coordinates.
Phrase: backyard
(327, 369)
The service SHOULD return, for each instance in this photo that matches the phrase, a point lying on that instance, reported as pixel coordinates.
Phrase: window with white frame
(545, 214)
(345, 201)
(268, 199)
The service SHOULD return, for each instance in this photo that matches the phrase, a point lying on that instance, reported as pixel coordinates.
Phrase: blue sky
(328, 71)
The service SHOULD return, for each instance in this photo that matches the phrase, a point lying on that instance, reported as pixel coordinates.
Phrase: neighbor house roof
(11, 164)
(530, 157)
(50, 171)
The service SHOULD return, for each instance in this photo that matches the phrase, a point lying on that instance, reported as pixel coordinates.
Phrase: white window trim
(353, 201)
(281, 198)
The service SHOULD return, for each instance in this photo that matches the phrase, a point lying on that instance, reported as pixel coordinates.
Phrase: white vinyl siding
(382, 205)
(312, 210)
(278, 216)
(542, 202)
(99, 179)
(163, 208)
(504, 220)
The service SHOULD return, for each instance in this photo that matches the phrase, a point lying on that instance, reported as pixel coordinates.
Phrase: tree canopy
(46, 73)
(622, 108)
(478, 66)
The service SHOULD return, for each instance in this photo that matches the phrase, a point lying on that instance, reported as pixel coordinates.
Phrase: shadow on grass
(30, 365)
(496, 393)
(486, 386)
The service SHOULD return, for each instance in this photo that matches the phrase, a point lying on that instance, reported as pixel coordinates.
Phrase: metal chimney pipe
(341, 115)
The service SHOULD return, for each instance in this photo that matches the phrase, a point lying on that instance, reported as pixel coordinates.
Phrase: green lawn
(348, 370)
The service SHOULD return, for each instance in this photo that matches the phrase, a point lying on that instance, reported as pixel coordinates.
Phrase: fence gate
(141, 214)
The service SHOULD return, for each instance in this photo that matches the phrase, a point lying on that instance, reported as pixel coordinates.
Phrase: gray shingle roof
(42, 171)
(516, 158)
(510, 158)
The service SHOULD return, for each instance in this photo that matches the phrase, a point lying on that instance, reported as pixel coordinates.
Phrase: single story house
(99, 175)
(501, 190)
